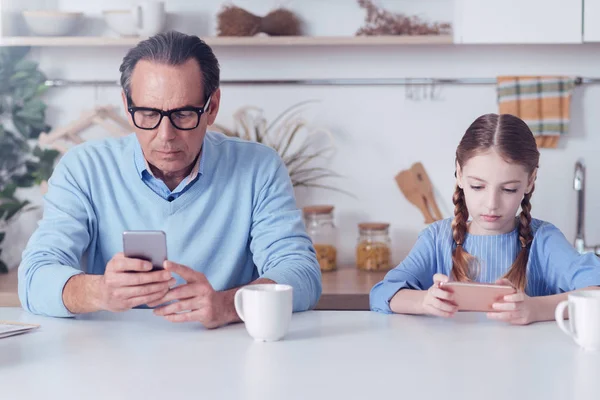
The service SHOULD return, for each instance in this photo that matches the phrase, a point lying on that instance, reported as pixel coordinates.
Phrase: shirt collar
(141, 164)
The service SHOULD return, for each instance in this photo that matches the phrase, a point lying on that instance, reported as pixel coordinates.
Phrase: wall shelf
(100, 41)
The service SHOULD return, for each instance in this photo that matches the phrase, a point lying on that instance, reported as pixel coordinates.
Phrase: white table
(326, 355)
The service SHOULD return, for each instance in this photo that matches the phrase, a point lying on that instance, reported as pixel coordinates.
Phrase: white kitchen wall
(377, 130)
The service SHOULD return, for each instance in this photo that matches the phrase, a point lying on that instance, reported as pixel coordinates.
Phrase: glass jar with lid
(322, 231)
(373, 248)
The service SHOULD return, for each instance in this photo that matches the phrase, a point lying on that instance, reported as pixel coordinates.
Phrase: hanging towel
(543, 102)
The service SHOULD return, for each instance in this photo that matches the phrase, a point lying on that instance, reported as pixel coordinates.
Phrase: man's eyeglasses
(185, 118)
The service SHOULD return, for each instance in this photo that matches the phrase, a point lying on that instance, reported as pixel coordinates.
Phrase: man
(227, 206)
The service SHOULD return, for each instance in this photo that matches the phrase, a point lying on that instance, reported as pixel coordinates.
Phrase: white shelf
(68, 41)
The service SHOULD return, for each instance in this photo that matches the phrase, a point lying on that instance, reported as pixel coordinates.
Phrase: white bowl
(121, 21)
(51, 23)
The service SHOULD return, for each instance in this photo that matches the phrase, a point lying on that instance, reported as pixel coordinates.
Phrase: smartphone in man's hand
(146, 245)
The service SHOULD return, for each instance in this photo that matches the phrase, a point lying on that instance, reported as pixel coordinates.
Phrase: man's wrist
(81, 294)
(96, 299)
(230, 315)
(228, 298)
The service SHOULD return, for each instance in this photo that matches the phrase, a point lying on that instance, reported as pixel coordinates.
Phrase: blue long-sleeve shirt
(235, 221)
(554, 266)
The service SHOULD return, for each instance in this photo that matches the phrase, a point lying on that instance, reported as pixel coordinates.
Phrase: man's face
(167, 87)
(493, 191)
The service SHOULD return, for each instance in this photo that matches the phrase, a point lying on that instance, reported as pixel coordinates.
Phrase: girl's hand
(439, 301)
(516, 308)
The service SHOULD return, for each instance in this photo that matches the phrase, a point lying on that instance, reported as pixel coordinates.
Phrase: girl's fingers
(506, 316)
(443, 306)
(505, 306)
(515, 297)
(437, 312)
(442, 294)
(437, 278)
(503, 281)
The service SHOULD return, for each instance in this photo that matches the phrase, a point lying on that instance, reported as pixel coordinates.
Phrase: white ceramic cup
(584, 318)
(146, 18)
(266, 310)
(150, 17)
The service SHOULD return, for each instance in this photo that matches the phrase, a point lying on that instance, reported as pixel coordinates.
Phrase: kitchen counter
(344, 289)
(347, 288)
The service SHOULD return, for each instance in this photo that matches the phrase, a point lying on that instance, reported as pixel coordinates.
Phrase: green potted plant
(22, 119)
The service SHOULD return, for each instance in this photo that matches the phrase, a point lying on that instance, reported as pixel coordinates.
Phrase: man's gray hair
(173, 48)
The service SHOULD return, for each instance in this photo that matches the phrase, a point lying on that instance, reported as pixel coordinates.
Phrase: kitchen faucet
(579, 186)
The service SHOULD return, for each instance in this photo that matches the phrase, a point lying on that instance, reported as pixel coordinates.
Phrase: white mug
(150, 17)
(146, 18)
(266, 310)
(584, 318)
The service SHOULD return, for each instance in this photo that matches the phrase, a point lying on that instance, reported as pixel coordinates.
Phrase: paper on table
(10, 328)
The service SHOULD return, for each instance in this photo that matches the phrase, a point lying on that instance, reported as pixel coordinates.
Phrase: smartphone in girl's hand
(473, 296)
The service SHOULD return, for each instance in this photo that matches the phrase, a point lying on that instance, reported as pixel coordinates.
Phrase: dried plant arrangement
(381, 22)
(302, 148)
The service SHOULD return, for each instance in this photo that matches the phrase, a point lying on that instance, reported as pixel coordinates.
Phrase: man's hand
(196, 300)
(128, 283)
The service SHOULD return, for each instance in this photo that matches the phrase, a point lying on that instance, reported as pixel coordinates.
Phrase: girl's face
(493, 191)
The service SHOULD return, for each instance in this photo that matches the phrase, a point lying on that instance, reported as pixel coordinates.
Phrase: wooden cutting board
(417, 188)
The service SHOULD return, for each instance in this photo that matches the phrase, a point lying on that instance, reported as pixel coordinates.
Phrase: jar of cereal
(373, 248)
(322, 231)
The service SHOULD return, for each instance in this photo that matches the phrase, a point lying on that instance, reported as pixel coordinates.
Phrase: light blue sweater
(554, 266)
(235, 222)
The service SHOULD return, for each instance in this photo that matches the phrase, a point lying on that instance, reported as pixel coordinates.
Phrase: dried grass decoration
(381, 22)
(235, 21)
(302, 148)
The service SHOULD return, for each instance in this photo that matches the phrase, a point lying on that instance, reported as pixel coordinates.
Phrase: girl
(496, 167)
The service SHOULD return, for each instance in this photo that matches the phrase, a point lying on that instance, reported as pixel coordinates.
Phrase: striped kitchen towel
(543, 102)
